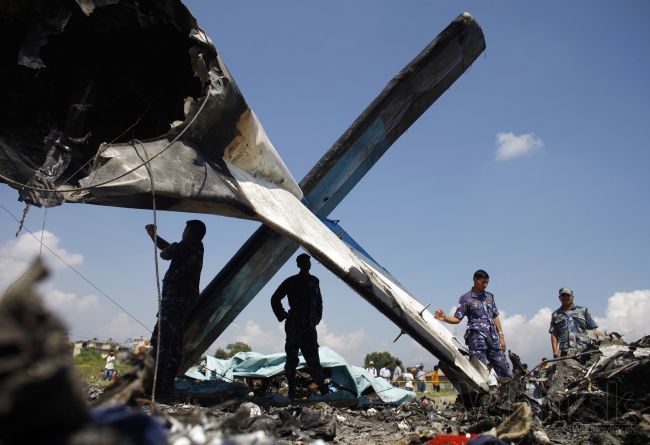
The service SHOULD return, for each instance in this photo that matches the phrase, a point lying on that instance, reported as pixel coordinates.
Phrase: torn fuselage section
(92, 90)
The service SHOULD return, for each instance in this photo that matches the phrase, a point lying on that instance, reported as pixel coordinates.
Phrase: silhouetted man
(305, 312)
(180, 292)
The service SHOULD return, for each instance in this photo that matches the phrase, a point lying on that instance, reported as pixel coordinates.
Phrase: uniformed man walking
(569, 325)
(305, 312)
(180, 291)
(484, 335)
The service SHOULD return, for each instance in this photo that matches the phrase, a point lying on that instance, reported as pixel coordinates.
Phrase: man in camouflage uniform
(180, 292)
(484, 336)
(305, 312)
(569, 324)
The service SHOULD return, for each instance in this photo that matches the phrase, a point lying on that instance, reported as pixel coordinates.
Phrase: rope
(77, 272)
(90, 187)
(156, 266)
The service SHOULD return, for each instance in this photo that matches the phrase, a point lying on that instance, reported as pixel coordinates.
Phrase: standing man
(484, 335)
(371, 368)
(384, 373)
(407, 376)
(397, 373)
(180, 291)
(109, 368)
(305, 312)
(420, 376)
(435, 378)
(569, 325)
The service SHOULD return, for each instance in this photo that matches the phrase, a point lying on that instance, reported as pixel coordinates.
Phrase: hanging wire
(77, 272)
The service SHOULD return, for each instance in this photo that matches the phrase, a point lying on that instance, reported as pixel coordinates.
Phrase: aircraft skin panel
(400, 104)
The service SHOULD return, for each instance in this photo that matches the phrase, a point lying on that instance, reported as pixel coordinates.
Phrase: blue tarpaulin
(255, 365)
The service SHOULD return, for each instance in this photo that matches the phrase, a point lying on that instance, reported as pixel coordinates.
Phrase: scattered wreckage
(599, 396)
(128, 103)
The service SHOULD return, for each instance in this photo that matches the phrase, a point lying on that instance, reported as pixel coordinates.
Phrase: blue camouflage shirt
(480, 310)
(182, 278)
(570, 327)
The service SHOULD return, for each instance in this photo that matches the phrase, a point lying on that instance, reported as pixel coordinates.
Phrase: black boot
(291, 381)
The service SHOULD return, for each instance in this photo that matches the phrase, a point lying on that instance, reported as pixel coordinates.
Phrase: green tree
(232, 349)
(240, 346)
(221, 353)
(380, 359)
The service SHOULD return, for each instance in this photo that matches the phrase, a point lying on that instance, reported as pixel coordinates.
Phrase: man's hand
(151, 229)
(440, 315)
(502, 340)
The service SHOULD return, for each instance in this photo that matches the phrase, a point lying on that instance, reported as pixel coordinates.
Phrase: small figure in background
(384, 373)
(420, 376)
(371, 368)
(407, 376)
(435, 378)
(109, 368)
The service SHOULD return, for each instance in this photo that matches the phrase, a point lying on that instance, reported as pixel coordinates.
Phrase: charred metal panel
(115, 83)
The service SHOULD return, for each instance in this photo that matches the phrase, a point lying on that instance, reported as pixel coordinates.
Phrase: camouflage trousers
(172, 327)
(302, 337)
(486, 348)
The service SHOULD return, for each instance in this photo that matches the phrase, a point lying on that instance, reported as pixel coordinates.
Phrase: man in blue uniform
(569, 325)
(305, 312)
(484, 336)
(180, 292)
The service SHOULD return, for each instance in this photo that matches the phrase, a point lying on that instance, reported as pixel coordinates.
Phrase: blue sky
(566, 85)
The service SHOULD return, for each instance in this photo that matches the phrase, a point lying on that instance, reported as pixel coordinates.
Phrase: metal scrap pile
(599, 395)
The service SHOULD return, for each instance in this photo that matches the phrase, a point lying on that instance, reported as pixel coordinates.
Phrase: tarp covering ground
(352, 378)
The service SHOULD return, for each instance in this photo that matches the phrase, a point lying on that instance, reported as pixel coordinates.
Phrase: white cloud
(510, 146)
(260, 340)
(528, 338)
(347, 343)
(18, 254)
(627, 313)
(68, 304)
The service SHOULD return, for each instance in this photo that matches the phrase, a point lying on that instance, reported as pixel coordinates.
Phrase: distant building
(131, 342)
(103, 346)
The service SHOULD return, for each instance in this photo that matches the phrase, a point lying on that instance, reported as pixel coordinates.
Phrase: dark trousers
(302, 337)
(172, 326)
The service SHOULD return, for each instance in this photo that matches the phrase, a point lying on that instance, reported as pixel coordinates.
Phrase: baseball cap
(566, 290)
